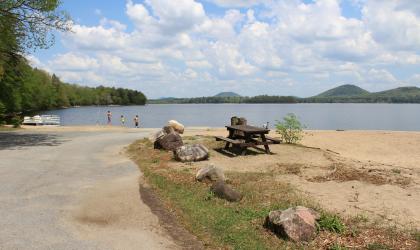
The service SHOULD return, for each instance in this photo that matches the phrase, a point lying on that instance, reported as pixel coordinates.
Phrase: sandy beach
(372, 173)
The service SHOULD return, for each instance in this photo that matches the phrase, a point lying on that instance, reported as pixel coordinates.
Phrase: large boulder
(178, 127)
(224, 191)
(170, 141)
(187, 153)
(211, 173)
(295, 223)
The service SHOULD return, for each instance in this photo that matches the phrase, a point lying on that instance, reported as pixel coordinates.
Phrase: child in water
(136, 121)
(109, 116)
(122, 120)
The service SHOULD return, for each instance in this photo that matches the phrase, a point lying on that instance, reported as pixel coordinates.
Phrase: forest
(26, 25)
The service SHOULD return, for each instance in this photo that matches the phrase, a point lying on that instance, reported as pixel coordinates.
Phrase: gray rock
(224, 191)
(170, 141)
(210, 172)
(295, 223)
(187, 153)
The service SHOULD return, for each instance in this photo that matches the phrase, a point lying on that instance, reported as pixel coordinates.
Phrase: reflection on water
(314, 116)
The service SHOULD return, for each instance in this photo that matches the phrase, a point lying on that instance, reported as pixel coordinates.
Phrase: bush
(2, 113)
(16, 121)
(291, 130)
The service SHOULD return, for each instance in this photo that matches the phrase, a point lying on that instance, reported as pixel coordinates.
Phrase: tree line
(367, 98)
(229, 99)
(26, 25)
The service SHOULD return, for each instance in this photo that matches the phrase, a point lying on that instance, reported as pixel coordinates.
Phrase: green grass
(331, 222)
(207, 214)
(4, 128)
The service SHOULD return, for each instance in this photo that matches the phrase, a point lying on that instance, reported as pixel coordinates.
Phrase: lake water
(313, 116)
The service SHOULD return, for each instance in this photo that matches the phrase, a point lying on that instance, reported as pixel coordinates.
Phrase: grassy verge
(220, 224)
(8, 128)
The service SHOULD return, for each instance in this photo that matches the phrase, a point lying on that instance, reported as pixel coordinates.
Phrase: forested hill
(342, 94)
(343, 90)
(24, 89)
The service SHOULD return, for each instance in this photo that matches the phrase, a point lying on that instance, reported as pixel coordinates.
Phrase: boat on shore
(40, 120)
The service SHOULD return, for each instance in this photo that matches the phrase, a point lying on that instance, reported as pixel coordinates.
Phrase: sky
(188, 48)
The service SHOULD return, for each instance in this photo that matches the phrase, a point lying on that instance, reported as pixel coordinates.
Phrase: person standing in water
(122, 120)
(136, 121)
(109, 116)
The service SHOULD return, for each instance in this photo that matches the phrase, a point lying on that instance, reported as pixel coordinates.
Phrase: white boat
(42, 120)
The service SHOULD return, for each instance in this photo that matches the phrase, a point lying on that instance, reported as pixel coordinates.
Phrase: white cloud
(253, 46)
(237, 3)
(73, 62)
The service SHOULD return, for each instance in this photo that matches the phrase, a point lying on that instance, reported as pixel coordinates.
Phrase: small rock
(170, 141)
(210, 172)
(187, 153)
(178, 127)
(295, 223)
(224, 191)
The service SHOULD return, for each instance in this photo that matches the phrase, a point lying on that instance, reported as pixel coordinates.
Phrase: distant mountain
(342, 91)
(342, 94)
(227, 94)
(399, 92)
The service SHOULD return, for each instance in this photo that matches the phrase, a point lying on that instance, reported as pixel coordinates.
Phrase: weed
(331, 223)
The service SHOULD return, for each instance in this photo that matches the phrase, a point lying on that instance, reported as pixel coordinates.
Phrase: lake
(314, 116)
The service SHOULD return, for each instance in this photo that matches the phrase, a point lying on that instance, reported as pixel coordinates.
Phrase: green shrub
(291, 130)
(331, 223)
(16, 121)
(2, 113)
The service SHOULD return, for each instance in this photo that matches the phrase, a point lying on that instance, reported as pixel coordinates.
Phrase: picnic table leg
(247, 140)
(230, 136)
(267, 149)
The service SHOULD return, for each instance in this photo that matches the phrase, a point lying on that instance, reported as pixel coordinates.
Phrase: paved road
(73, 190)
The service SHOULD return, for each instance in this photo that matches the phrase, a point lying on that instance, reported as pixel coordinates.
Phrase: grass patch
(223, 225)
(331, 222)
(8, 128)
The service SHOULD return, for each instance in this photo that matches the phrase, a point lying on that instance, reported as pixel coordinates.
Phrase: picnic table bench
(244, 136)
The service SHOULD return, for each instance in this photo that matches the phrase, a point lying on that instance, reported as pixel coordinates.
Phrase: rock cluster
(168, 137)
(295, 223)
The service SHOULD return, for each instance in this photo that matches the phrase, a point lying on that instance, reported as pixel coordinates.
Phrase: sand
(372, 173)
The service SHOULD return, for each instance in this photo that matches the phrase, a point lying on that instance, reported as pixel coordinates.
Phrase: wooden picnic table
(244, 136)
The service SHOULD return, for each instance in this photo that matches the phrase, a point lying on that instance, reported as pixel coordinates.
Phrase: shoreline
(187, 129)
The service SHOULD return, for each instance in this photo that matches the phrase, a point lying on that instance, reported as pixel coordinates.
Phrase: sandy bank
(352, 172)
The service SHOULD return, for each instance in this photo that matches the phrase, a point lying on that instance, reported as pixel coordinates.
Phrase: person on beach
(109, 116)
(136, 121)
(122, 120)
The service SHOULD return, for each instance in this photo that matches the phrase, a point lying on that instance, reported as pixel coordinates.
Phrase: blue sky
(190, 48)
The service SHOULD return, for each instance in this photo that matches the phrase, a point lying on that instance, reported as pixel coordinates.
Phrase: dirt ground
(371, 173)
